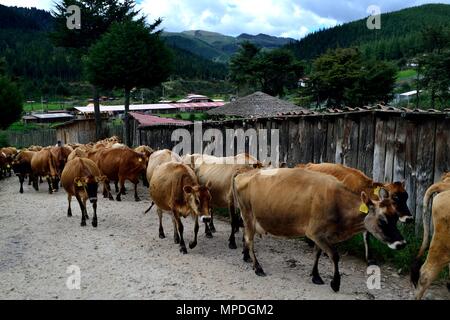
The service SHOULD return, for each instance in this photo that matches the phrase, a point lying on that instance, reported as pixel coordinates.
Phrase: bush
(3, 140)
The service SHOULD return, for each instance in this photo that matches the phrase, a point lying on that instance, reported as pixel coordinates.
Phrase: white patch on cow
(395, 245)
(405, 219)
(4, 154)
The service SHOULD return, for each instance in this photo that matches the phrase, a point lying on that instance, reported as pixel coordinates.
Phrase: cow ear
(209, 184)
(188, 189)
(365, 198)
(403, 184)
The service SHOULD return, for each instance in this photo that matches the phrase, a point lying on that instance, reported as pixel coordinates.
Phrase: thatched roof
(256, 105)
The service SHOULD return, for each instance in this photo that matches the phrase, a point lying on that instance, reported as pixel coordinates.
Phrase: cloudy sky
(288, 18)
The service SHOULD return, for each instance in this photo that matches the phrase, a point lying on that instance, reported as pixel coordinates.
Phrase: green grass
(20, 126)
(37, 106)
(406, 74)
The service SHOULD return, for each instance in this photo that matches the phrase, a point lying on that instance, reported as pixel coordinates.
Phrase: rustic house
(256, 105)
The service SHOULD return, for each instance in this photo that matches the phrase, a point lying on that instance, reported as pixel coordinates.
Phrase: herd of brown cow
(327, 203)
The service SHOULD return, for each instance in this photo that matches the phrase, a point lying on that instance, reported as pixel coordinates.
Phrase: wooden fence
(41, 137)
(386, 145)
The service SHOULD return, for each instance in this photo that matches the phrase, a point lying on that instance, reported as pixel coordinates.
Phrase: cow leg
(208, 232)
(448, 283)
(116, 185)
(249, 235)
(94, 218)
(108, 190)
(69, 210)
(437, 258)
(145, 181)
(136, 197)
(316, 279)
(234, 227)
(161, 230)
(180, 229)
(50, 189)
(176, 237)
(369, 257)
(40, 179)
(192, 244)
(21, 180)
(85, 208)
(35, 183)
(122, 189)
(83, 217)
(211, 223)
(334, 256)
(245, 251)
(29, 179)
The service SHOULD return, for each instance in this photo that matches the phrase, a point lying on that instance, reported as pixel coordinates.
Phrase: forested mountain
(41, 68)
(218, 47)
(399, 36)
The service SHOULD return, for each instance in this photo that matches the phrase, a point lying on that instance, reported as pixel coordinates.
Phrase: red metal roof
(148, 120)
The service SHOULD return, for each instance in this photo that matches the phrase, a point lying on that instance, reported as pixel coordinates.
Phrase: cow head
(197, 199)
(89, 184)
(381, 219)
(399, 195)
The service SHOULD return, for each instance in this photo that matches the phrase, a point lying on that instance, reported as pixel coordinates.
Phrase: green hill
(398, 37)
(218, 47)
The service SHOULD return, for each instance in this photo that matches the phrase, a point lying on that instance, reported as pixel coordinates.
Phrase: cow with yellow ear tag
(80, 179)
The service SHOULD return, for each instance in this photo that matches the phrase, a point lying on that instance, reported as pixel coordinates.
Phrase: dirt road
(124, 258)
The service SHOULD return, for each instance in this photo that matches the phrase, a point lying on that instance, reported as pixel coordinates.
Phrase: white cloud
(233, 17)
(40, 4)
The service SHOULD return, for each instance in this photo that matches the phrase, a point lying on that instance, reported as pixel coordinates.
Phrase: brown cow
(357, 181)
(175, 188)
(80, 179)
(439, 252)
(22, 167)
(219, 172)
(44, 164)
(7, 156)
(148, 152)
(61, 153)
(298, 202)
(120, 165)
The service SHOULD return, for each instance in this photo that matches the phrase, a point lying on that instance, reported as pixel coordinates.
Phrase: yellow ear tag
(376, 191)
(140, 159)
(364, 208)
(79, 184)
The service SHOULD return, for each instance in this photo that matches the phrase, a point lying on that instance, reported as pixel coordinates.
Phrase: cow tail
(233, 188)
(417, 263)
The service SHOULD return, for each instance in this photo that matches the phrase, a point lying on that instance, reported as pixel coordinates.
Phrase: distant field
(406, 74)
(37, 106)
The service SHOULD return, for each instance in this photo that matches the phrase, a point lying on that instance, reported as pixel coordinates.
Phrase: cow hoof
(162, 236)
(317, 280)
(335, 285)
(371, 262)
(137, 199)
(118, 199)
(260, 272)
(232, 245)
(247, 258)
(192, 244)
(209, 235)
(111, 198)
(183, 250)
(94, 223)
(176, 240)
(21, 191)
(83, 223)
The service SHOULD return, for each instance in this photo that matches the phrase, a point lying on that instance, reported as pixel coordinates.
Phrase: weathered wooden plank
(366, 143)
(425, 164)
(379, 153)
(400, 149)
(410, 163)
(442, 149)
(331, 140)
(320, 140)
(390, 126)
(350, 142)
(340, 141)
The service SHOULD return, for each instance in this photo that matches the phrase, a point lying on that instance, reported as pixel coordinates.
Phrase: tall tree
(269, 71)
(343, 77)
(96, 18)
(10, 102)
(129, 55)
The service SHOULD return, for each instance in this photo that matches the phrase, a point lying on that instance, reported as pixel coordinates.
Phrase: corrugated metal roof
(146, 120)
(156, 106)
